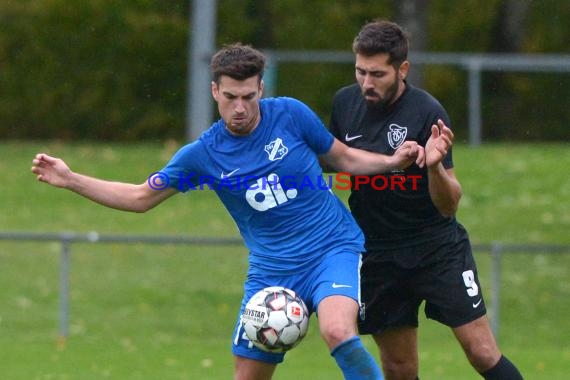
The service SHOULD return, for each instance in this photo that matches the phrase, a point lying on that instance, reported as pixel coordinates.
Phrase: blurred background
(116, 87)
(119, 71)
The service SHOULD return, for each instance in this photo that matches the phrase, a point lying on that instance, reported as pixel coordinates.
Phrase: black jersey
(394, 209)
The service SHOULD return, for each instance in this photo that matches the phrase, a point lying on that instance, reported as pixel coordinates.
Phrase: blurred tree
(412, 16)
(508, 31)
(103, 69)
(96, 69)
(510, 26)
(320, 25)
(264, 33)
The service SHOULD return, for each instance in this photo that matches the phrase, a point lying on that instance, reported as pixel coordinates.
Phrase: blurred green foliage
(116, 70)
(97, 69)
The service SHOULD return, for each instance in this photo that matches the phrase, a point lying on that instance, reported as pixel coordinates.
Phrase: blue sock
(355, 362)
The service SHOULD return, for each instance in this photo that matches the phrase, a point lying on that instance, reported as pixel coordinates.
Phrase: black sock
(503, 370)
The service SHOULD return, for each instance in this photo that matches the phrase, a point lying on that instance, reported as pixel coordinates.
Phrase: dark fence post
(496, 252)
(64, 290)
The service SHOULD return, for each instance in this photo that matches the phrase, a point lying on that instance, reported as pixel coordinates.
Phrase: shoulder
(210, 134)
(422, 110)
(282, 102)
(348, 92)
(286, 106)
(189, 150)
(422, 99)
(347, 100)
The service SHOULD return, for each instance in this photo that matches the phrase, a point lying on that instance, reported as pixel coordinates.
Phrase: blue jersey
(271, 183)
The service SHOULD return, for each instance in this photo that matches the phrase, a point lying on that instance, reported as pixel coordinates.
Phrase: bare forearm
(444, 189)
(357, 161)
(117, 195)
(363, 162)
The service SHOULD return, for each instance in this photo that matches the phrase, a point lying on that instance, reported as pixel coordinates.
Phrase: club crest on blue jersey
(276, 149)
(396, 135)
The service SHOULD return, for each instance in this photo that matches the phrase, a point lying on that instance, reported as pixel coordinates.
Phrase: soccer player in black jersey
(417, 251)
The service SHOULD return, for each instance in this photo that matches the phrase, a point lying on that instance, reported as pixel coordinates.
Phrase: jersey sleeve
(185, 167)
(311, 128)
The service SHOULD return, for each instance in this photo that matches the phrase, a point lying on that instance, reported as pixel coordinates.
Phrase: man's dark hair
(237, 61)
(382, 36)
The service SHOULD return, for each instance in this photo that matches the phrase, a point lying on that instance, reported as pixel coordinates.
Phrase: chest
(264, 160)
(383, 132)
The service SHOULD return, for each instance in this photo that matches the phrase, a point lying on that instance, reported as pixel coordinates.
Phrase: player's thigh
(248, 369)
(335, 290)
(451, 286)
(398, 345)
(337, 319)
(337, 275)
(477, 340)
(387, 297)
(242, 348)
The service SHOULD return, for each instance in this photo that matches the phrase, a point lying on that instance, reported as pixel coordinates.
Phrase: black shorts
(444, 275)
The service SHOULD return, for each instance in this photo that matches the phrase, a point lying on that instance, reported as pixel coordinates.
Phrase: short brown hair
(382, 36)
(237, 61)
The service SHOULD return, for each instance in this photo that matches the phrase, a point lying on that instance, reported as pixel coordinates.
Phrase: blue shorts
(337, 274)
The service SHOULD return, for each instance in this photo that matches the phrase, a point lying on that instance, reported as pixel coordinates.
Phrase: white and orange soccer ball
(275, 319)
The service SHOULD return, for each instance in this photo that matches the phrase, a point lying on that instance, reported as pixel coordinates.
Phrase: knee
(399, 369)
(483, 356)
(336, 333)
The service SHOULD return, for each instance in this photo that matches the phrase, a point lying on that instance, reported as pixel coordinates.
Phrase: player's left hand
(438, 144)
(408, 153)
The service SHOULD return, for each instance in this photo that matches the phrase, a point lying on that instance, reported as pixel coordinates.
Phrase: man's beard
(382, 102)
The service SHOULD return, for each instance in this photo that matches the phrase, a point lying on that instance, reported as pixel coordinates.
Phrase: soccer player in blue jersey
(291, 227)
(416, 249)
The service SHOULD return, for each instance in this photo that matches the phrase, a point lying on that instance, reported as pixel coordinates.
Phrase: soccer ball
(275, 319)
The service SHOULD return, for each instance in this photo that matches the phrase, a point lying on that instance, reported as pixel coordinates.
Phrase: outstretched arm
(444, 188)
(117, 195)
(357, 161)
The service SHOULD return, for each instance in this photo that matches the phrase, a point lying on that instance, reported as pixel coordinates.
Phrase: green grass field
(167, 312)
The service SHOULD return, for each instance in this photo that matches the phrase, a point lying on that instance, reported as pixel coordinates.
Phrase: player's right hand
(51, 170)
